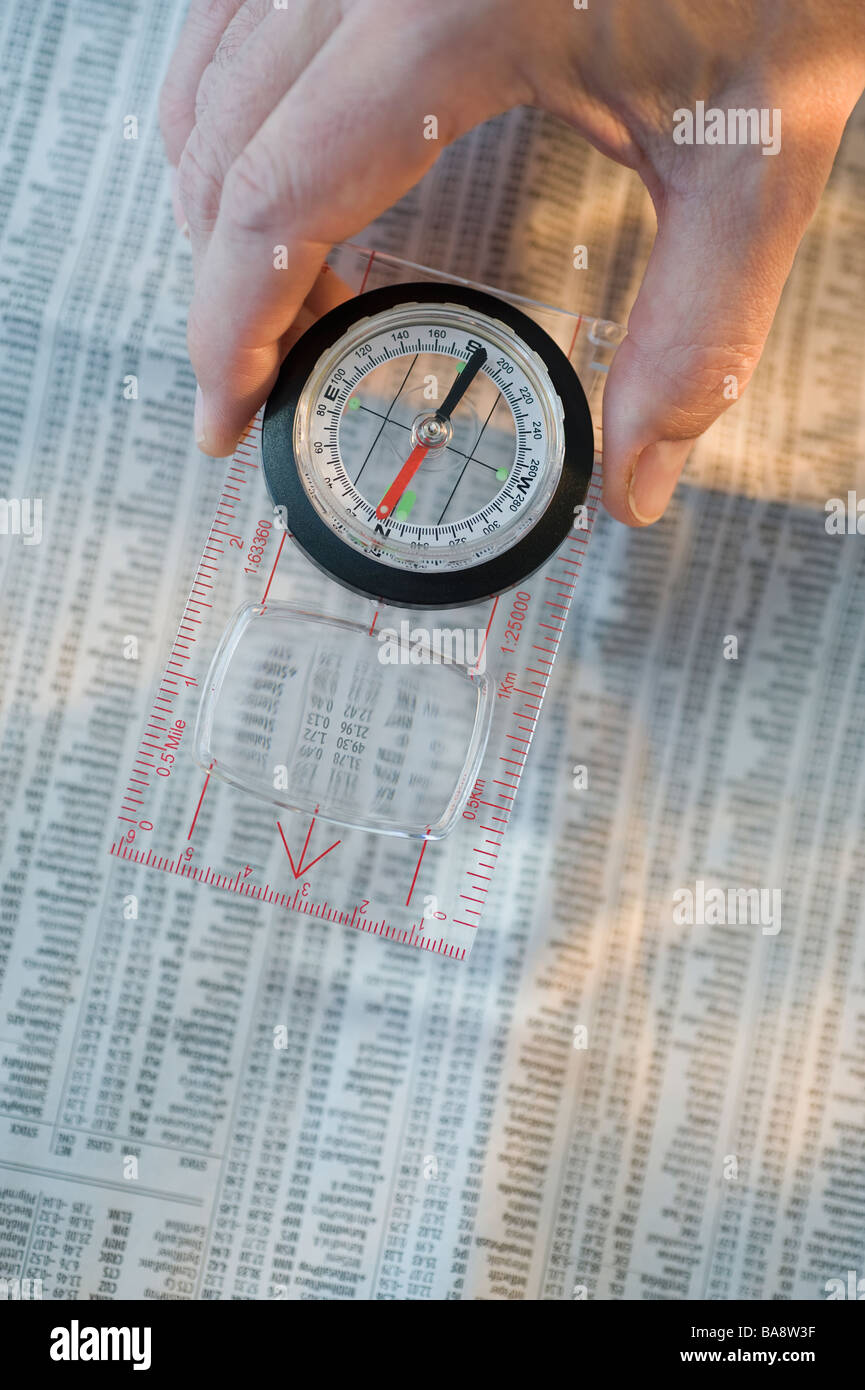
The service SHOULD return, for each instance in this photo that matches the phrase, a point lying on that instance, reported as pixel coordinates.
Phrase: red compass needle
(419, 452)
(402, 480)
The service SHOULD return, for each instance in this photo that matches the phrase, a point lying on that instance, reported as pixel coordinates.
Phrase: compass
(430, 445)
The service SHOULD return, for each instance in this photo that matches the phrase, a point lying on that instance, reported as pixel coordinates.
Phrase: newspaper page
(607, 1100)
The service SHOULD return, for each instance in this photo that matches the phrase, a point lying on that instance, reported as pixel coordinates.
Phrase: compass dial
(420, 434)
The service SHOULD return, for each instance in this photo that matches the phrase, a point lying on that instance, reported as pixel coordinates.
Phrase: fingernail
(184, 230)
(198, 418)
(654, 478)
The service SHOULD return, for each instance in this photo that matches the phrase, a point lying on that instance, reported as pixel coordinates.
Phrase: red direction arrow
(301, 867)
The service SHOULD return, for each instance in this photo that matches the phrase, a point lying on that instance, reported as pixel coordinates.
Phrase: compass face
(429, 443)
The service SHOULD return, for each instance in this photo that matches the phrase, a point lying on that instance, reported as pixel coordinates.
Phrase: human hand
(298, 126)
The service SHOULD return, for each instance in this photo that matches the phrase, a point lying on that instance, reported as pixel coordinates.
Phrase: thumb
(697, 329)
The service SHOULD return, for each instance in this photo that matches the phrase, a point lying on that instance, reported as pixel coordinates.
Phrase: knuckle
(214, 82)
(703, 373)
(228, 47)
(208, 16)
(703, 366)
(199, 177)
(694, 378)
(253, 192)
(242, 25)
(207, 92)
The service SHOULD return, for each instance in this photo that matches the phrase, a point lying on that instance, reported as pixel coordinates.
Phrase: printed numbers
(256, 549)
(514, 625)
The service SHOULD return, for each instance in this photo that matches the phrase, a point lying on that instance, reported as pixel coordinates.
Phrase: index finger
(338, 149)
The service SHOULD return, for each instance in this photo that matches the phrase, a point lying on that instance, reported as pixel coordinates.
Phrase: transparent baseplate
(358, 763)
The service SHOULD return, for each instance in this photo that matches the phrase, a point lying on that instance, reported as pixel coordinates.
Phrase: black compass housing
(400, 587)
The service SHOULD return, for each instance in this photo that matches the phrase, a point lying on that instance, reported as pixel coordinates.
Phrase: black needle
(462, 384)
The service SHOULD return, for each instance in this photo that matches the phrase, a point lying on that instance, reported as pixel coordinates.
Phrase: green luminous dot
(501, 474)
(354, 403)
(460, 367)
(404, 505)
